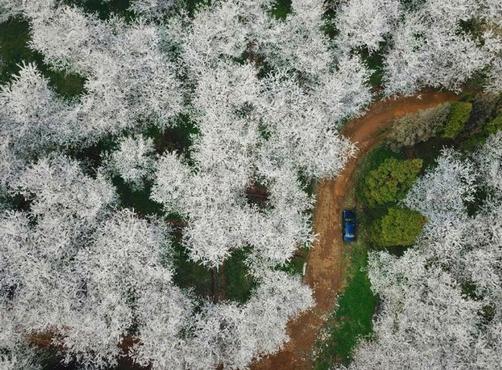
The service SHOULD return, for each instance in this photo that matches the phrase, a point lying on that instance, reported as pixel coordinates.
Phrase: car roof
(350, 228)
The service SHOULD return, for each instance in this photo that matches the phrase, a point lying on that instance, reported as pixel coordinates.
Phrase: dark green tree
(391, 180)
(494, 125)
(399, 227)
(458, 117)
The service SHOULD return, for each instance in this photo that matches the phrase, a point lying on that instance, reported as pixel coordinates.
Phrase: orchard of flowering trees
(265, 97)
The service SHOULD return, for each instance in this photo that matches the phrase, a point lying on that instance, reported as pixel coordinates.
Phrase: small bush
(418, 127)
(458, 117)
(399, 227)
(477, 139)
(494, 125)
(390, 181)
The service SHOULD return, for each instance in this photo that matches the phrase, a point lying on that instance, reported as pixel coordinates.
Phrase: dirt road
(325, 265)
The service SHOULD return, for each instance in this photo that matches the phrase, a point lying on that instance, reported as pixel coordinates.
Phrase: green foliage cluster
(494, 125)
(390, 181)
(485, 120)
(385, 179)
(398, 227)
(458, 117)
(418, 127)
(352, 320)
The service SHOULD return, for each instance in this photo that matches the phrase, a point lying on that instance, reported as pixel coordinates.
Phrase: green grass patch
(138, 200)
(104, 9)
(238, 283)
(375, 61)
(190, 275)
(295, 265)
(329, 27)
(14, 38)
(231, 281)
(177, 138)
(192, 6)
(91, 156)
(352, 319)
(470, 143)
(281, 9)
(412, 5)
(494, 125)
(428, 150)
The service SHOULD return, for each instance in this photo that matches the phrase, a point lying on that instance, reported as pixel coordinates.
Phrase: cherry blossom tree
(489, 159)
(231, 335)
(425, 319)
(21, 358)
(301, 130)
(31, 115)
(122, 264)
(298, 44)
(133, 160)
(78, 270)
(446, 189)
(344, 93)
(9, 8)
(429, 48)
(58, 188)
(223, 30)
(492, 42)
(39, 284)
(365, 23)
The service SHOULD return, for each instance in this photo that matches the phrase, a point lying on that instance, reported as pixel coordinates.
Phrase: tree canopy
(398, 227)
(391, 180)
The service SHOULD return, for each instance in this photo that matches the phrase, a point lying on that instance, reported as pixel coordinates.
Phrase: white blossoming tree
(133, 160)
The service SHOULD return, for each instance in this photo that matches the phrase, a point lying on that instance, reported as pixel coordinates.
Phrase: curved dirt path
(325, 264)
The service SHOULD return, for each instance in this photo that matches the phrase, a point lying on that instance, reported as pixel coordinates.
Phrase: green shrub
(399, 227)
(418, 127)
(494, 125)
(459, 114)
(390, 181)
(477, 139)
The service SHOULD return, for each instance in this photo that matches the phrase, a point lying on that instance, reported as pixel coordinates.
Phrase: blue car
(349, 225)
